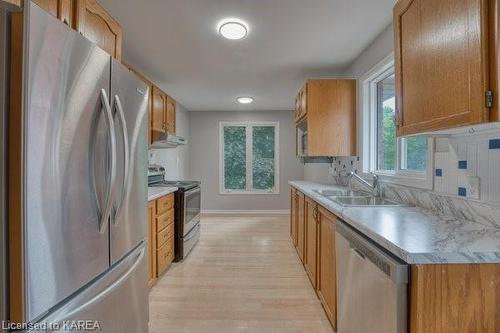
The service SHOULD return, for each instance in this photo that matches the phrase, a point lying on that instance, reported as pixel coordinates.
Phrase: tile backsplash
(465, 166)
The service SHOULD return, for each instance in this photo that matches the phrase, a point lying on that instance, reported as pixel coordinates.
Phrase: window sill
(248, 193)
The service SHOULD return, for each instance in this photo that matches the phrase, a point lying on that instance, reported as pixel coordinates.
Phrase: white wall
(175, 160)
(204, 157)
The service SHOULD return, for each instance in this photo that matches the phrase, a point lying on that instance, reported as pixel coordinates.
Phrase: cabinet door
(301, 225)
(326, 270)
(96, 24)
(16, 3)
(158, 110)
(303, 101)
(151, 243)
(311, 228)
(441, 56)
(62, 9)
(49, 6)
(171, 105)
(331, 117)
(65, 11)
(293, 216)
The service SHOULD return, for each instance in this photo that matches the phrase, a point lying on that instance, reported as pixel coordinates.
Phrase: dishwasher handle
(363, 248)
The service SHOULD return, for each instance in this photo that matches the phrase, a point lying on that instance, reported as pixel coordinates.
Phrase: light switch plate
(473, 188)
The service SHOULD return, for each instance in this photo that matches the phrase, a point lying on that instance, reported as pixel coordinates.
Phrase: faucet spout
(374, 187)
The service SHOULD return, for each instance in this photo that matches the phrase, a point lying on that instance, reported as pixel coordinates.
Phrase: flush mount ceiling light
(244, 100)
(232, 28)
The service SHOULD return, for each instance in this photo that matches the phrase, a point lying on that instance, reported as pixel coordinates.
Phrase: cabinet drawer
(164, 204)
(164, 220)
(165, 235)
(165, 256)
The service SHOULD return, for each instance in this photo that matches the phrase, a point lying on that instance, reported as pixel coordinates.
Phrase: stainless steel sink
(366, 201)
(351, 198)
(341, 193)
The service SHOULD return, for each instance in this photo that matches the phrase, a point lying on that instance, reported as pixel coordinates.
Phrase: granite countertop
(158, 192)
(413, 234)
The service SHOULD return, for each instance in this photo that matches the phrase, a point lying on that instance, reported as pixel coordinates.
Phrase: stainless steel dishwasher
(371, 286)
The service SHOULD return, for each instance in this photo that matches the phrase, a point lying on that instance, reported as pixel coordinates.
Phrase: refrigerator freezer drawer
(108, 301)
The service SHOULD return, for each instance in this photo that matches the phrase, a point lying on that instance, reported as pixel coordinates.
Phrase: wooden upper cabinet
(311, 238)
(327, 286)
(301, 104)
(16, 3)
(441, 59)
(62, 9)
(171, 107)
(327, 116)
(92, 21)
(159, 100)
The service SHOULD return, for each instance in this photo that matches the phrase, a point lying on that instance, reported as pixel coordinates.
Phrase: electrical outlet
(473, 188)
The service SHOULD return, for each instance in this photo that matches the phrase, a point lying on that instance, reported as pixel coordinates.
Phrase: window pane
(235, 158)
(263, 157)
(386, 127)
(414, 153)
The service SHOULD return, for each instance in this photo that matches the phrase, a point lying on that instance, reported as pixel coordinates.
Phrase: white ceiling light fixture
(233, 28)
(245, 100)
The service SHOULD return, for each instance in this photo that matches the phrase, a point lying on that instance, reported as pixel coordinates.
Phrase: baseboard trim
(212, 212)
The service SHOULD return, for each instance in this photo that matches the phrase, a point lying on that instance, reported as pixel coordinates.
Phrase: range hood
(164, 140)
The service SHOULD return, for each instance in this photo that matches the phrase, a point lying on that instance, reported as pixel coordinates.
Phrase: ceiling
(175, 44)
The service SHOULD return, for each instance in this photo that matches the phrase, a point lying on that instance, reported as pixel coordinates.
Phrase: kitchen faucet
(374, 187)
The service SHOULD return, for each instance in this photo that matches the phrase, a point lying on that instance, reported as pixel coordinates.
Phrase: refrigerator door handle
(112, 177)
(126, 154)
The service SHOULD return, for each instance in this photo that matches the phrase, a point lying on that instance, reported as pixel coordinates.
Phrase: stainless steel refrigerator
(85, 182)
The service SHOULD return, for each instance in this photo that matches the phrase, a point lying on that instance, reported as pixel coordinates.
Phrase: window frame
(368, 134)
(249, 157)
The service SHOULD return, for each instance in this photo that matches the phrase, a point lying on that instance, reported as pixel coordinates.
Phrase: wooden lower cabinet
(293, 216)
(311, 237)
(160, 236)
(327, 286)
(454, 298)
(151, 243)
(442, 298)
(301, 232)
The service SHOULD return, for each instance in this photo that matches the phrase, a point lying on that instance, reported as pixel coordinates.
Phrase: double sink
(351, 198)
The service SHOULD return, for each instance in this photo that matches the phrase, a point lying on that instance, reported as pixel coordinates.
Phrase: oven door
(192, 207)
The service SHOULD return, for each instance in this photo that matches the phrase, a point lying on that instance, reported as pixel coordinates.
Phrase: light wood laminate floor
(243, 276)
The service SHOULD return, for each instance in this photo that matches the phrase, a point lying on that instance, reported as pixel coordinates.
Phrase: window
(249, 158)
(401, 160)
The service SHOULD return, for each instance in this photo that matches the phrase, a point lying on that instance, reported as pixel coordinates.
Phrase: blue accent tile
(495, 144)
(462, 191)
(462, 164)
(439, 172)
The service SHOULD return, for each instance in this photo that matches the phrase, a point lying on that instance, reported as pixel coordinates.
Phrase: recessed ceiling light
(245, 100)
(233, 28)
